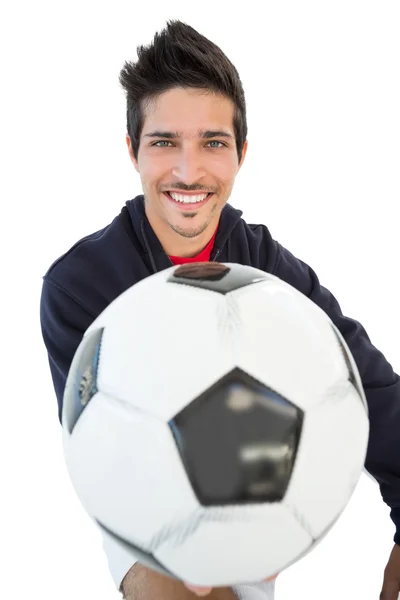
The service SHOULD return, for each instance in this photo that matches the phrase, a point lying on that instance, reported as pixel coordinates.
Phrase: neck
(188, 247)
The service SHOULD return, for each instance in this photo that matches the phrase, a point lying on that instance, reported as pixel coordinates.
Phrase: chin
(187, 231)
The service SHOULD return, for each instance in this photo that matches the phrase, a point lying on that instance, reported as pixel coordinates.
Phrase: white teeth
(188, 199)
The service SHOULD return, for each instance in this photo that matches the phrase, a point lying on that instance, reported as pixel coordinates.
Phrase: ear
(133, 159)
(245, 146)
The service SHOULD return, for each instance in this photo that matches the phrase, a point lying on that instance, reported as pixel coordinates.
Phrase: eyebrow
(170, 135)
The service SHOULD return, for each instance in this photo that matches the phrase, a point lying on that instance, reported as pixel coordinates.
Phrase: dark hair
(180, 57)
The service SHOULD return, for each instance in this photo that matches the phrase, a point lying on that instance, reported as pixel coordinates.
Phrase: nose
(188, 167)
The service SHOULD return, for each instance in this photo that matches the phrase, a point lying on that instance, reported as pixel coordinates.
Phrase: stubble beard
(192, 233)
(186, 233)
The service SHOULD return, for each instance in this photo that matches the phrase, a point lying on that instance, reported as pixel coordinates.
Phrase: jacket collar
(151, 245)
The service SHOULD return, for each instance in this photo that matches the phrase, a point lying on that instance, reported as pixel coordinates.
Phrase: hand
(391, 576)
(204, 591)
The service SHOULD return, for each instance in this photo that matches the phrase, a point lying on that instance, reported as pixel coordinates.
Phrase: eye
(167, 142)
(161, 142)
(217, 142)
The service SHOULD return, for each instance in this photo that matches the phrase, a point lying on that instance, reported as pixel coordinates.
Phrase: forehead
(188, 112)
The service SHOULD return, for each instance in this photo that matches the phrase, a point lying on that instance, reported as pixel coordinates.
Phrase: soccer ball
(214, 423)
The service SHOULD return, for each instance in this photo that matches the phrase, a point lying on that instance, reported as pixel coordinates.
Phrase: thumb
(198, 590)
(390, 590)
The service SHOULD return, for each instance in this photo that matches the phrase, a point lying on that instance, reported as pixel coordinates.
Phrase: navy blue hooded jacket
(80, 284)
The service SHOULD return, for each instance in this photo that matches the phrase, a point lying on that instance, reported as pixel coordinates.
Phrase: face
(187, 147)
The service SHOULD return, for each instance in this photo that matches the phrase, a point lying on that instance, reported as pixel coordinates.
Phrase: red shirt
(204, 255)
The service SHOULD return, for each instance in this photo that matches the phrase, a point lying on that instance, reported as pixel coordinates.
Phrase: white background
(322, 172)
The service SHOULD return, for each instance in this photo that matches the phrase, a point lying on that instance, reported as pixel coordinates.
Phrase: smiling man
(187, 175)
(187, 139)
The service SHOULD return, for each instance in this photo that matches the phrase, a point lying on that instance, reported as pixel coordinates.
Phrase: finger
(198, 590)
(390, 591)
(272, 577)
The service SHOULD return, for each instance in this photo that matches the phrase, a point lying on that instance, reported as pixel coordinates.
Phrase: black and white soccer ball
(214, 423)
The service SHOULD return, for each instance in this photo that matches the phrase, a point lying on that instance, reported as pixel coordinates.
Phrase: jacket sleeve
(381, 384)
(63, 322)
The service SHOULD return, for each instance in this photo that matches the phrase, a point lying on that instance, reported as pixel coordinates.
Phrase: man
(186, 121)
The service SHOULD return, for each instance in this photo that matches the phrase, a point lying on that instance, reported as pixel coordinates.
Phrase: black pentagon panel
(144, 557)
(216, 277)
(84, 383)
(238, 441)
(352, 377)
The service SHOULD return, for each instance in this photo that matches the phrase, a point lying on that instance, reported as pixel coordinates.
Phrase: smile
(188, 201)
